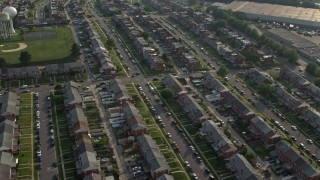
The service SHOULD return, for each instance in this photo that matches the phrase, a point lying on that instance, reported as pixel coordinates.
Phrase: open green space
(26, 153)
(42, 50)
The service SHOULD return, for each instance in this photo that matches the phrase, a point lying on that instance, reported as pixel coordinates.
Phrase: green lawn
(42, 50)
(26, 120)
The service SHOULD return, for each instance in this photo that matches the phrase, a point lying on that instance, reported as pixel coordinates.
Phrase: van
(24, 87)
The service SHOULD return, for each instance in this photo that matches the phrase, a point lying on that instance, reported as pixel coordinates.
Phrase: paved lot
(48, 153)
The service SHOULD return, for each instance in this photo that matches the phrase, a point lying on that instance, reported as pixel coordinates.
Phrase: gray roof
(10, 104)
(216, 137)
(152, 153)
(211, 82)
(165, 177)
(119, 89)
(258, 76)
(79, 119)
(237, 104)
(72, 93)
(242, 168)
(6, 135)
(93, 176)
(293, 157)
(287, 99)
(191, 107)
(132, 113)
(171, 82)
(87, 155)
(7, 159)
(258, 122)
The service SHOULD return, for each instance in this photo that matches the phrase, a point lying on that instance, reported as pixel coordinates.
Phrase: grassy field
(41, 50)
(26, 119)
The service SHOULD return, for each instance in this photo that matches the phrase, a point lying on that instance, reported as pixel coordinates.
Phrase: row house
(218, 140)
(211, 40)
(93, 176)
(72, 95)
(63, 68)
(312, 117)
(295, 79)
(299, 82)
(120, 92)
(210, 82)
(165, 177)
(190, 61)
(238, 107)
(264, 132)
(172, 83)
(289, 101)
(86, 161)
(9, 136)
(294, 162)
(140, 43)
(258, 77)
(227, 53)
(154, 158)
(154, 60)
(97, 46)
(8, 166)
(314, 91)
(135, 121)
(28, 72)
(178, 48)
(194, 111)
(106, 66)
(241, 168)
(10, 108)
(78, 121)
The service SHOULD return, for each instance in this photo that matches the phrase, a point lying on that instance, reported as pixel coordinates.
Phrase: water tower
(5, 25)
(12, 13)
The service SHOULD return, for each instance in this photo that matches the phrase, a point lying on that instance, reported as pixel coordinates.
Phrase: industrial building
(279, 13)
(305, 47)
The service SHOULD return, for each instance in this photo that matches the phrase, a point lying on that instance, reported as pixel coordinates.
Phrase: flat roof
(307, 14)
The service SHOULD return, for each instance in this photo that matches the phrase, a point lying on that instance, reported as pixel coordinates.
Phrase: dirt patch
(21, 47)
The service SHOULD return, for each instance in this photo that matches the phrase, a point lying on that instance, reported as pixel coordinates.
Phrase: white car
(169, 135)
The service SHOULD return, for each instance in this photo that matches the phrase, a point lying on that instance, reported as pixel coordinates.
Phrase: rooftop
(307, 14)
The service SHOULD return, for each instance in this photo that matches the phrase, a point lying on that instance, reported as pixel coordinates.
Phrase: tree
(25, 57)
(192, 2)
(251, 55)
(145, 35)
(265, 90)
(2, 62)
(166, 93)
(75, 50)
(317, 82)
(312, 68)
(165, 57)
(137, 4)
(292, 55)
(58, 87)
(222, 72)
(110, 43)
(217, 24)
(198, 137)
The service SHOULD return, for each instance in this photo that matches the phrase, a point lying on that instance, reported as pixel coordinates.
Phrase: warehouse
(305, 47)
(271, 12)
